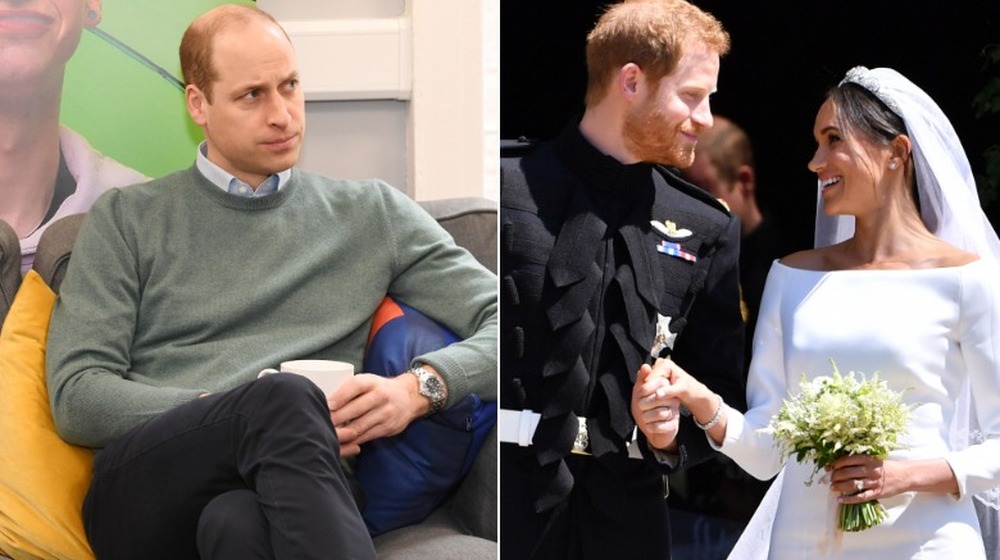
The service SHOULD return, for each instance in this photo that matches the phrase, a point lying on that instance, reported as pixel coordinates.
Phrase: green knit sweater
(176, 287)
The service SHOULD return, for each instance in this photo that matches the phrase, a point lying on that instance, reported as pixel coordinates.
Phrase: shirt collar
(595, 168)
(230, 184)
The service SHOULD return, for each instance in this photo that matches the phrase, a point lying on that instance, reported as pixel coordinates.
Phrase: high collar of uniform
(598, 170)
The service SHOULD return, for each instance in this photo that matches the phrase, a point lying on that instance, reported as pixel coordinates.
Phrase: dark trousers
(250, 473)
(607, 514)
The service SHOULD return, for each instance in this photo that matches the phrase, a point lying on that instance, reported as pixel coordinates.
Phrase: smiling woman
(907, 227)
(855, 150)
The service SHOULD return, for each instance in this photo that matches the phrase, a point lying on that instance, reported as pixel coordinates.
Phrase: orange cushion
(43, 479)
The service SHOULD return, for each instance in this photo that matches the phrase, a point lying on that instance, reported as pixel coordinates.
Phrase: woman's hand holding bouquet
(848, 425)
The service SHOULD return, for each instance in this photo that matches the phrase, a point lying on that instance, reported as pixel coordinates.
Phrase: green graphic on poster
(122, 90)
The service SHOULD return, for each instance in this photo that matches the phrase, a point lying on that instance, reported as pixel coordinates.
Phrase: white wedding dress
(927, 332)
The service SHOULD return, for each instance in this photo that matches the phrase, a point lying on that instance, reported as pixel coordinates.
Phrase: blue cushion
(406, 476)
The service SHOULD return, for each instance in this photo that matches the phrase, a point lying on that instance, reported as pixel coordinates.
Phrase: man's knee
(290, 405)
(232, 525)
(283, 390)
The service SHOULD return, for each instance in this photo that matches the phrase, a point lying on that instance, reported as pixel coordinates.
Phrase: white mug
(326, 374)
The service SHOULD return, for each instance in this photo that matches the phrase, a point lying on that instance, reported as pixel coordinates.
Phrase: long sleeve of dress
(977, 467)
(767, 387)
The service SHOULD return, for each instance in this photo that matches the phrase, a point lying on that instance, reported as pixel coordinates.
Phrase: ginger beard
(651, 137)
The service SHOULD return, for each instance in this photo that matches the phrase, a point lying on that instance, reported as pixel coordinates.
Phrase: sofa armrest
(472, 222)
(474, 504)
(54, 249)
(465, 525)
(463, 528)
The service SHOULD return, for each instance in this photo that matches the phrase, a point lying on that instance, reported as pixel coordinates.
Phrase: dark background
(785, 55)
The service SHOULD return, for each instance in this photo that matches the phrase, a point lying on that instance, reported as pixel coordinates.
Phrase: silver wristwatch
(431, 387)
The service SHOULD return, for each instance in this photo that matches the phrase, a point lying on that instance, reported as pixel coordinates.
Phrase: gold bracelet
(715, 417)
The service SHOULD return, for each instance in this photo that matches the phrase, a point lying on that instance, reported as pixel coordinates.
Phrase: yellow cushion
(43, 479)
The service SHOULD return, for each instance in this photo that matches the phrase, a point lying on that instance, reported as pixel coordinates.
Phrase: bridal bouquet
(841, 415)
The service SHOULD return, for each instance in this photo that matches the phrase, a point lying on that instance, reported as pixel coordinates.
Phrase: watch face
(432, 385)
(432, 388)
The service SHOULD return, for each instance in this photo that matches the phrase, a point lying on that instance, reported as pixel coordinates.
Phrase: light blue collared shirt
(229, 183)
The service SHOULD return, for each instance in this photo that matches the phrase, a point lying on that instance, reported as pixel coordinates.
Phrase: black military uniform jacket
(585, 279)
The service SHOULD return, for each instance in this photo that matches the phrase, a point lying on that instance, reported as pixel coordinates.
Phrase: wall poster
(122, 90)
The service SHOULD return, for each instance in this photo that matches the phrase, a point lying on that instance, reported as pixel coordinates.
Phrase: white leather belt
(518, 426)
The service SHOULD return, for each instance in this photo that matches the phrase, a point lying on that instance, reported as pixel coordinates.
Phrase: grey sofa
(10, 268)
(465, 525)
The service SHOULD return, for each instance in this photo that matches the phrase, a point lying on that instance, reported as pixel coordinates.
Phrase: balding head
(727, 147)
(196, 49)
(724, 167)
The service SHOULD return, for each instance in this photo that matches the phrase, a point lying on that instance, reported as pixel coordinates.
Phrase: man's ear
(630, 79)
(747, 178)
(196, 104)
(93, 15)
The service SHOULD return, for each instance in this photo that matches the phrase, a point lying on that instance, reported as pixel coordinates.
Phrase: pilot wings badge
(669, 229)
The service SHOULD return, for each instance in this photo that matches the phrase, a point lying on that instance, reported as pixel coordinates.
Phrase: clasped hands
(655, 408)
(659, 392)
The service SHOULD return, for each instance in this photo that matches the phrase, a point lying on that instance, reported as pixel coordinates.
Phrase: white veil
(949, 203)
(950, 208)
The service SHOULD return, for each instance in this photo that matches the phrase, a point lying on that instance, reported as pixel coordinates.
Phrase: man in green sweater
(182, 289)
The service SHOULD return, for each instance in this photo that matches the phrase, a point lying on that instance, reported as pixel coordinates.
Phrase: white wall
(403, 90)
